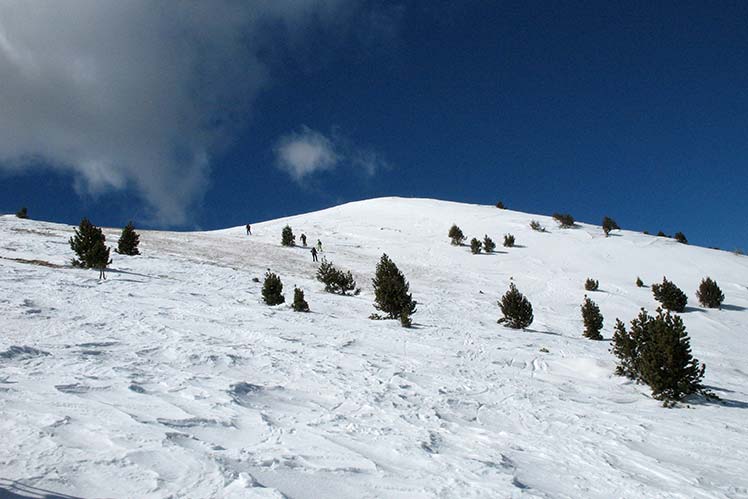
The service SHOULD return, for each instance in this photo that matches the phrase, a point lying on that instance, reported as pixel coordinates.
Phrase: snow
(173, 379)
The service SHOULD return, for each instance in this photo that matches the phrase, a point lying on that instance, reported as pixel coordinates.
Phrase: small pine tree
(662, 234)
(475, 246)
(299, 303)
(391, 290)
(608, 225)
(626, 345)
(287, 237)
(89, 244)
(516, 308)
(680, 237)
(335, 280)
(593, 319)
(488, 244)
(22, 213)
(709, 294)
(272, 289)
(666, 363)
(128, 241)
(500, 205)
(639, 282)
(326, 274)
(564, 220)
(670, 296)
(508, 241)
(535, 225)
(456, 235)
(100, 255)
(591, 284)
(346, 282)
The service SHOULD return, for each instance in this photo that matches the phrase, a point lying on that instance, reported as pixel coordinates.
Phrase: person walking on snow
(319, 245)
(314, 254)
(303, 240)
(249, 230)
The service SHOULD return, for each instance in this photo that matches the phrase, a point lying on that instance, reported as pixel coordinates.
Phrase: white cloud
(369, 161)
(304, 153)
(137, 93)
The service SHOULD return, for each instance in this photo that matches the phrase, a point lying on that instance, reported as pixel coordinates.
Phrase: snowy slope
(172, 379)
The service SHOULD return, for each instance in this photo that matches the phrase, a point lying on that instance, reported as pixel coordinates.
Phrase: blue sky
(208, 116)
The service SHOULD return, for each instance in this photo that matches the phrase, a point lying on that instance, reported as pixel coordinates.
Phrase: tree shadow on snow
(11, 489)
(738, 404)
(717, 389)
(692, 309)
(541, 332)
(734, 308)
(702, 400)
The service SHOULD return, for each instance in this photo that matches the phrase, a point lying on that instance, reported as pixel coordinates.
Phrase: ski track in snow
(172, 379)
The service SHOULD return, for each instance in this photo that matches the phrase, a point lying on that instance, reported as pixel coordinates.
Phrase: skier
(314, 254)
(319, 245)
(249, 230)
(303, 240)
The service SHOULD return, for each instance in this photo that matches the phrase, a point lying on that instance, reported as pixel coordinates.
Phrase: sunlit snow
(173, 379)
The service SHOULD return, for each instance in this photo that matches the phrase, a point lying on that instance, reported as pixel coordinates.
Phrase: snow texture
(172, 379)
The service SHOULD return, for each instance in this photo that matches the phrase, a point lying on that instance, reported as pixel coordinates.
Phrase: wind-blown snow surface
(173, 379)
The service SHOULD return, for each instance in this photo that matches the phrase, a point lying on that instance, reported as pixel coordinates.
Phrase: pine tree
(626, 345)
(488, 244)
(564, 220)
(335, 280)
(535, 225)
(508, 241)
(88, 243)
(299, 303)
(591, 284)
(516, 308)
(666, 363)
(128, 241)
(391, 290)
(639, 282)
(608, 225)
(100, 255)
(22, 213)
(670, 296)
(475, 246)
(287, 237)
(593, 319)
(500, 205)
(327, 275)
(456, 235)
(680, 237)
(657, 351)
(709, 294)
(272, 289)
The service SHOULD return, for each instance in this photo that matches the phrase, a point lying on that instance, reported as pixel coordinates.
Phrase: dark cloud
(136, 94)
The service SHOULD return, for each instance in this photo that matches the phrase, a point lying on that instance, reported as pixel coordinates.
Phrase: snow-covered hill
(173, 379)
